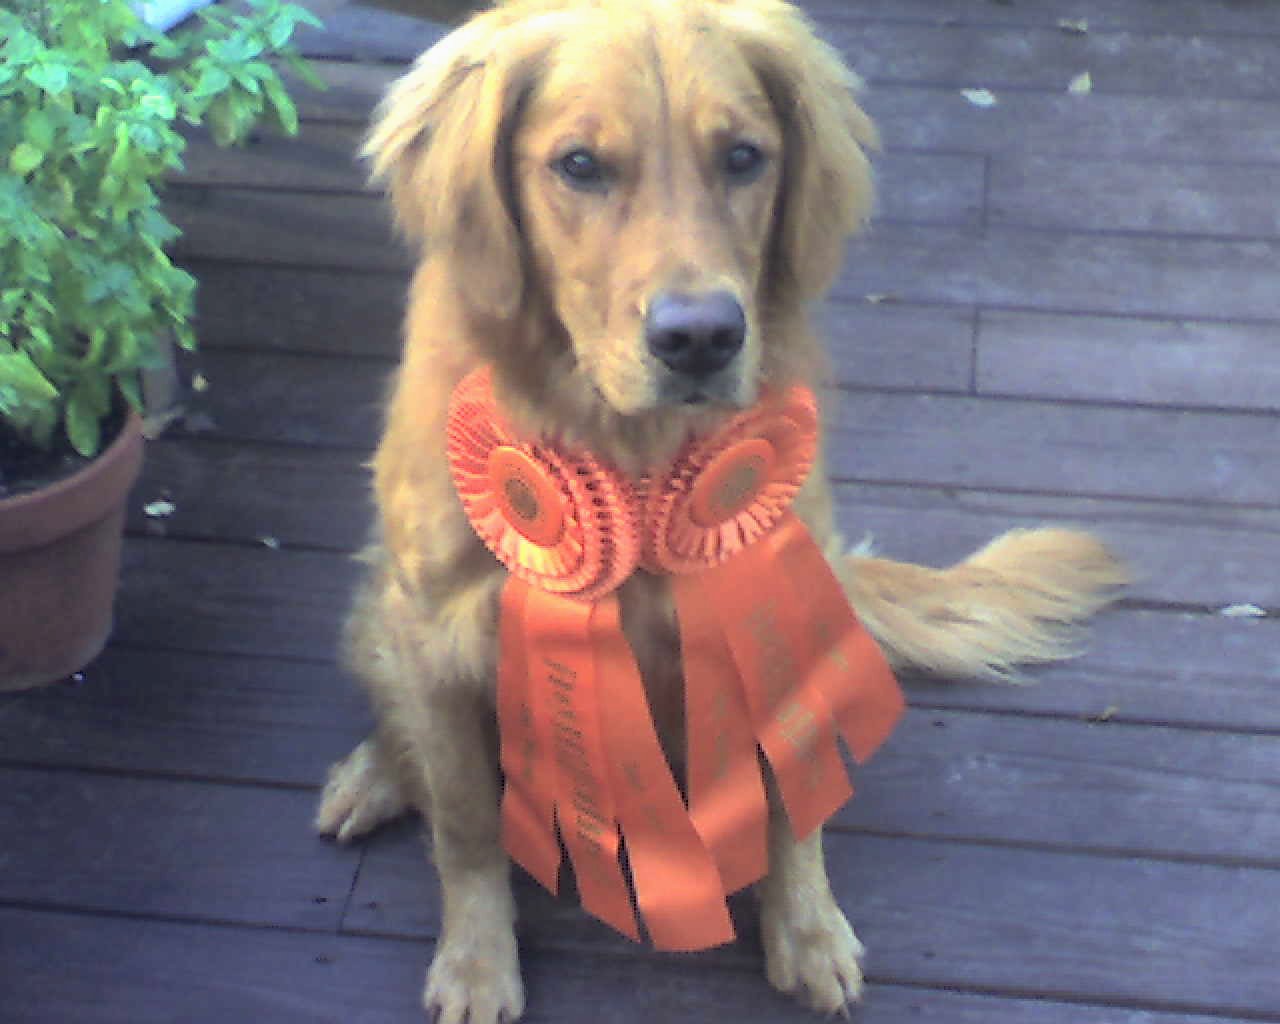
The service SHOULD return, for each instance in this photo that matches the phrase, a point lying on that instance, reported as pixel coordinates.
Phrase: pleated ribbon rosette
(774, 660)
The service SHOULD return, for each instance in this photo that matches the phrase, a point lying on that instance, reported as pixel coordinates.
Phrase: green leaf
(10, 300)
(37, 126)
(131, 389)
(165, 48)
(52, 78)
(285, 111)
(155, 225)
(247, 77)
(185, 336)
(304, 16)
(213, 80)
(83, 429)
(145, 137)
(235, 50)
(304, 71)
(20, 377)
(25, 158)
(280, 32)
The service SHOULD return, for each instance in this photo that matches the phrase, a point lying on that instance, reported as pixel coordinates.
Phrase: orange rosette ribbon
(774, 660)
(773, 655)
(566, 527)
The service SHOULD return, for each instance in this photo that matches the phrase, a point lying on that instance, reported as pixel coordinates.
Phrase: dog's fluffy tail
(1017, 601)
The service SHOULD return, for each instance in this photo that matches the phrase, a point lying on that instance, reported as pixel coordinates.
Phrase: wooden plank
(334, 313)
(305, 310)
(1070, 784)
(1181, 17)
(930, 188)
(62, 967)
(362, 32)
(1021, 921)
(1039, 446)
(1076, 785)
(1137, 792)
(920, 116)
(170, 848)
(1193, 554)
(1097, 786)
(296, 399)
(339, 229)
(101, 970)
(890, 1004)
(893, 346)
(1097, 125)
(940, 188)
(322, 157)
(1046, 57)
(1186, 278)
(255, 226)
(1134, 195)
(1111, 359)
(224, 599)
(311, 497)
(170, 713)
(1112, 929)
(1145, 666)
(1150, 665)
(385, 23)
(161, 971)
(320, 498)
(888, 438)
(1170, 277)
(352, 90)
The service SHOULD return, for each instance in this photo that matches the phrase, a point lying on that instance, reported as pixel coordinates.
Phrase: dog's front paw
(362, 792)
(812, 953)
(476, 983)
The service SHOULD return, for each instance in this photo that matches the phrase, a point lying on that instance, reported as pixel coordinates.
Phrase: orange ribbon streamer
(774, 661)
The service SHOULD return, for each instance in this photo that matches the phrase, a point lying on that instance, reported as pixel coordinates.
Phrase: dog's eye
(580, 168)
(743, 162)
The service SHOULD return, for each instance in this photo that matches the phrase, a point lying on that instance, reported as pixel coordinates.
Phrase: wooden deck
(1068, 310)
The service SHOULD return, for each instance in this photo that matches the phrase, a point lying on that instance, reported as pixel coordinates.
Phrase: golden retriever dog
(625, 208)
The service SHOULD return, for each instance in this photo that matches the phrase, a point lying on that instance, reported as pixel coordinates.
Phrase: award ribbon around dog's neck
(774, 660)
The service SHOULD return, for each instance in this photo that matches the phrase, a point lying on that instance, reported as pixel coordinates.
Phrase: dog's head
(660, 179)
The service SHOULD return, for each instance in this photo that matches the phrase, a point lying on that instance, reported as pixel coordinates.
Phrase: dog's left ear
(441, 142)
(827, 191)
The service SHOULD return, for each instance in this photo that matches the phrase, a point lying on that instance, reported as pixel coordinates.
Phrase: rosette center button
(527, 495)
(731, 481)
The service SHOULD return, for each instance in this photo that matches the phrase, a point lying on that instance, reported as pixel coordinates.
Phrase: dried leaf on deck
(161, 508)
(979, 97)
(1081, 85)
(1243, 611)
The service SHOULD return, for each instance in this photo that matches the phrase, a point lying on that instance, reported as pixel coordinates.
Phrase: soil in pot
(25, 468)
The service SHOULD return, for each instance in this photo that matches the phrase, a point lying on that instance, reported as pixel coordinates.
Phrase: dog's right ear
(441, 143)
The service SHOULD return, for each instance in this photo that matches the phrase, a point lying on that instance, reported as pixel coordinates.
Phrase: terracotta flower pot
(60, 565)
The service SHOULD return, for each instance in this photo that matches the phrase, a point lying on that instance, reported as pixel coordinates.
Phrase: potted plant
(91, 105)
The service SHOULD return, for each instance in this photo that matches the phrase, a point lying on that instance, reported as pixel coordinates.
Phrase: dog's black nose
(695, 334)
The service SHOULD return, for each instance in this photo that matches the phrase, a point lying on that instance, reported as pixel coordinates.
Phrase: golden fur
(549, 283)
